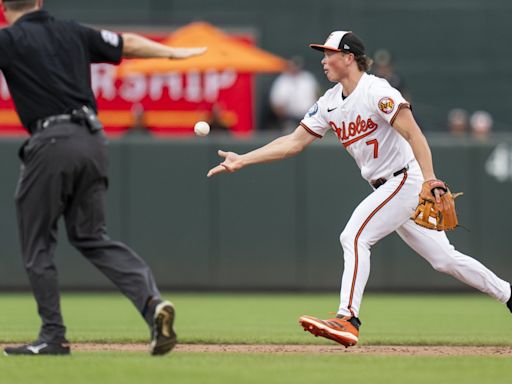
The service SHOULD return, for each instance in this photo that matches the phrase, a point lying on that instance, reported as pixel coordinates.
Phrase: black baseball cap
(342, 41)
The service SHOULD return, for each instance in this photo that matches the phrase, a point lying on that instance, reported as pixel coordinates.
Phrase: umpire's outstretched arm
(136, 46)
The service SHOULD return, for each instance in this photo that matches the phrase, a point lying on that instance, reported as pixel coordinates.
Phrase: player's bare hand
(184, 53)
(232, 163)
(432, 190)
(438, 192)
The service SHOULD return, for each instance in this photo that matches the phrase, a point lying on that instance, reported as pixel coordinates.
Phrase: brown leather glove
(439, 216)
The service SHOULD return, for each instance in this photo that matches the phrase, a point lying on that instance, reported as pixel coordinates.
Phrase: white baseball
(202, 128)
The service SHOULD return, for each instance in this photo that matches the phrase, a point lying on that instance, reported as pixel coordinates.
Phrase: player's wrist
(243, 160)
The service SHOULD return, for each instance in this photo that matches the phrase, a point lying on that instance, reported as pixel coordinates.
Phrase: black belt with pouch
(379, 182)
(82, 115)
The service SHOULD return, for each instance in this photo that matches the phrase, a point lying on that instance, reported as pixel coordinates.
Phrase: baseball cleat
(39, 347)
(163, 338)
(344, 330)
(509, 302)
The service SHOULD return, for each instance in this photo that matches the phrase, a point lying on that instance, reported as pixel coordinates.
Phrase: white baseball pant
(389, 209)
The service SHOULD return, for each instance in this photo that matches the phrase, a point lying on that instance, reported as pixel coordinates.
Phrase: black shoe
(39, 347)
(163, 337)
(509, 302)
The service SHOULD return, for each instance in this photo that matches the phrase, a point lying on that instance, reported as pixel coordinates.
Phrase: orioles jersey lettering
(367, 113)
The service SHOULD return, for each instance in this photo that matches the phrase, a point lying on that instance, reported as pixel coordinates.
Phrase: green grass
(204, 368)
(264, 318)
(272, 318)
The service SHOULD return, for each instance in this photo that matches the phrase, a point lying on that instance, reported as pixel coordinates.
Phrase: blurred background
(276, 227)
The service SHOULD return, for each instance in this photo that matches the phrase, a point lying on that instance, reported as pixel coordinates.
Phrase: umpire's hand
(184, 53)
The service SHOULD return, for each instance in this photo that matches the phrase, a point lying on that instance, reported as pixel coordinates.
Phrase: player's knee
(350, 240)
(443, 265)
(347, 239)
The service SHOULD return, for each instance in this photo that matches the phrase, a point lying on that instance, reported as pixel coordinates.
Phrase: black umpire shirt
(46, 63)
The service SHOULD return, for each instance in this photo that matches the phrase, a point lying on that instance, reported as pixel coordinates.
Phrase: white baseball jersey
(363, 124)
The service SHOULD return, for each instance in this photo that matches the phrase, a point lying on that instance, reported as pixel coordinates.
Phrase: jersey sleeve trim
(402, 105)
(310, 130)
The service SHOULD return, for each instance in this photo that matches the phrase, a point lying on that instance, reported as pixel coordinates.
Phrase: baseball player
(374, 123)
(46, 63)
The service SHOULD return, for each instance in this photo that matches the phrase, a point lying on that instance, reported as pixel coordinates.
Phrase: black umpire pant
(64, 172)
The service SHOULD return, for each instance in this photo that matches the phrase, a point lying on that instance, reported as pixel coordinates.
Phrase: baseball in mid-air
(202, 128)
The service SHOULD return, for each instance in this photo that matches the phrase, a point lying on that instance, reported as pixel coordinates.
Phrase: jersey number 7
(375, 144)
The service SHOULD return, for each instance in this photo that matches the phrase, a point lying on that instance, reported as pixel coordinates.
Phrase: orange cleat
(343, 330)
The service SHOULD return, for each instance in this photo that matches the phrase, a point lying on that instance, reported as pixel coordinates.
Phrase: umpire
(46, 63)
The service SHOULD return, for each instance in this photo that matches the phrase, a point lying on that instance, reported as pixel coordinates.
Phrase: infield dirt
(310, 349)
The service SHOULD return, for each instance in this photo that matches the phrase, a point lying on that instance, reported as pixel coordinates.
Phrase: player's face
(335, 65)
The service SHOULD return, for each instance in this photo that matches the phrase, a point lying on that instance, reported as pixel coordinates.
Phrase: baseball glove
(439, 216)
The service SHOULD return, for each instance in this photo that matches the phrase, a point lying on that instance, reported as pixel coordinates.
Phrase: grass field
(261, 319)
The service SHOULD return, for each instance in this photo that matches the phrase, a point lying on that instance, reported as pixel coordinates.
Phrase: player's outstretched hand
(183, 53)
(232, 162)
